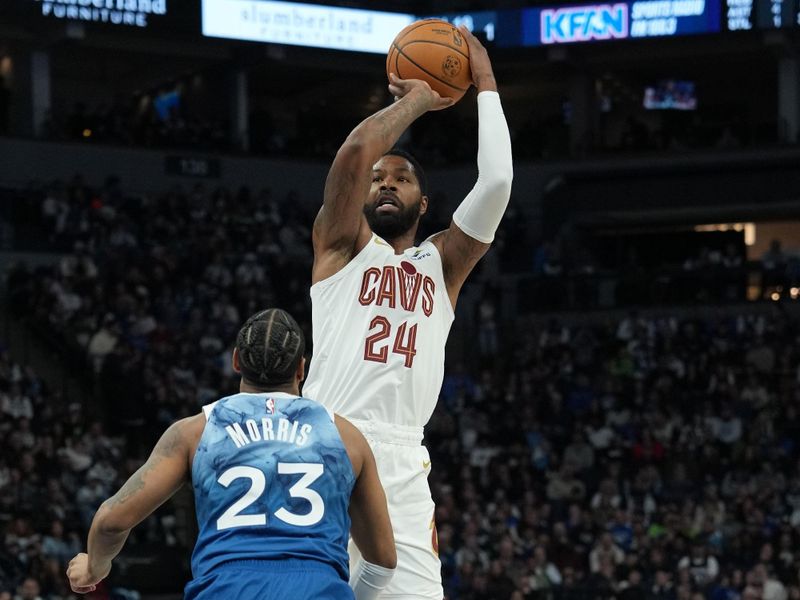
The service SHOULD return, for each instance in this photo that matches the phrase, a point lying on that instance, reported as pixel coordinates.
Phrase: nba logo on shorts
(270, 406)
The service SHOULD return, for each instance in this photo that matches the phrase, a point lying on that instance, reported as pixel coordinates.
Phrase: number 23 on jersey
(258, 483)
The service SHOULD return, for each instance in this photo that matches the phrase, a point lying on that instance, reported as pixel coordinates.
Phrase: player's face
(395, 202)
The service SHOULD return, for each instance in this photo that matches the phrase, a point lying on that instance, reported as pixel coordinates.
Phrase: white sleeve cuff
(369, 580)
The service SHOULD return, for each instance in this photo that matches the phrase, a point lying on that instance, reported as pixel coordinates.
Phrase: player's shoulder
(354, 441)
(350, 433)
(425, 251)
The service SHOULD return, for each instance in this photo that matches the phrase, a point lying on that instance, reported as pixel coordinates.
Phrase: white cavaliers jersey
(380, 328)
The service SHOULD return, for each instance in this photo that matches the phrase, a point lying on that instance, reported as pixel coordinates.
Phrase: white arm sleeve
(479, 214)
(368, 580)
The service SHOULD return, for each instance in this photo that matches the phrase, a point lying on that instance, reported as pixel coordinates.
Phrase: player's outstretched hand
(479, 63)
(80, 580)
(400, 88)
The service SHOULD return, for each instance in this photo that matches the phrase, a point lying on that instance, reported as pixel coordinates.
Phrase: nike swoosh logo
(426, 464)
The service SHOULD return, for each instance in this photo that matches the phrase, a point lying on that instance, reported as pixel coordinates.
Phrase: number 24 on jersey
(405, 341)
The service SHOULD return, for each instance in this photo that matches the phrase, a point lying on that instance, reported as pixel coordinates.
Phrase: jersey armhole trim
(208, 409)
(330, 414)
(451, 311)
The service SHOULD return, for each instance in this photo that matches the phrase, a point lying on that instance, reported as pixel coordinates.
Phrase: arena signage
(619, 20)
(302, 24)
(134, 13)
(584, 23)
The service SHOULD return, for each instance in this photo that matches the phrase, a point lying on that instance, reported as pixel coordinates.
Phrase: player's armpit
(460, 253)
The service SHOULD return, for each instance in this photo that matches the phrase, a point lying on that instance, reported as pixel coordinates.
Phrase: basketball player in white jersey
(382, 308)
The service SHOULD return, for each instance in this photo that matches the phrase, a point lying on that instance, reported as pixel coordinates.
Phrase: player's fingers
(396, 91)
(83, 589)
(467, 33)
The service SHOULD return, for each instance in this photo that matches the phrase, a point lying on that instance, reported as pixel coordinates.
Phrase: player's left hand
(401, 88)
(80, 579)
(479, 63)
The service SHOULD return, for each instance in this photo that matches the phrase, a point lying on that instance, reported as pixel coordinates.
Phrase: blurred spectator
(605, 552)
(703, 567)
(29, 590)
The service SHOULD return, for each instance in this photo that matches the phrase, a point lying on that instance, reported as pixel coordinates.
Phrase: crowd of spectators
(155, 287)
(57, 464)
(644, 458)
(640, 459)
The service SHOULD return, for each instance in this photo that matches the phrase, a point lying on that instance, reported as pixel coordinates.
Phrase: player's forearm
(377, 134)
(480, 213)
(494, 141)
(104, 543)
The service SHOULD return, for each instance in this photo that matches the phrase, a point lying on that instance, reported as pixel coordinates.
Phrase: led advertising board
(302, 24)
(618, 21)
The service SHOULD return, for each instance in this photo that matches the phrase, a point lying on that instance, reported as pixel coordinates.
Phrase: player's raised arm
(476, 220)
(339, 229)
(153, 484)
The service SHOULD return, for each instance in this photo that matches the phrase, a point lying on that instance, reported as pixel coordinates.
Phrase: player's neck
(289, 388)
(403, 242)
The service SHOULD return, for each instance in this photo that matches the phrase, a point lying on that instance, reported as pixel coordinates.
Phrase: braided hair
(270, 346)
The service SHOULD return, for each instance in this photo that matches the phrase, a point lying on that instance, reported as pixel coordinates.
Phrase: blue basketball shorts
(270, 580)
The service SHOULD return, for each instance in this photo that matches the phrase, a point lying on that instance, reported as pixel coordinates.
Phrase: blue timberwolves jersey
(272, 481)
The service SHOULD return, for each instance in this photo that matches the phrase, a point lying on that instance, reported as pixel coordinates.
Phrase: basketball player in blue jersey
(382, 307)
(279, 482)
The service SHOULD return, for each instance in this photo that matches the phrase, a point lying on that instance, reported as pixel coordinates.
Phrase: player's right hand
(399, 88)
(479, 63)
(80, 579)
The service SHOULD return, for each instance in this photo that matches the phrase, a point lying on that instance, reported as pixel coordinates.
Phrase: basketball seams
(397, 61)
(424, 70)
(448, 46)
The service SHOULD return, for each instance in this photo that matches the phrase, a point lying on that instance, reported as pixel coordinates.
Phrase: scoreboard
(761, 14)
(567, 23)
(367, 30)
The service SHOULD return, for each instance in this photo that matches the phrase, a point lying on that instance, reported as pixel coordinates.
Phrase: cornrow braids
(270, 346)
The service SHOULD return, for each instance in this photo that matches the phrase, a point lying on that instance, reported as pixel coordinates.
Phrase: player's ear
(235, 361)
(423, 205)
(300, 374)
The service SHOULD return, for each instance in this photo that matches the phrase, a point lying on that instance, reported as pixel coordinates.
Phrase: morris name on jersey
(291, 432)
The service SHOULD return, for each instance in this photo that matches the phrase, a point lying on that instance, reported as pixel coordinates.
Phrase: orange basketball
(434, 51)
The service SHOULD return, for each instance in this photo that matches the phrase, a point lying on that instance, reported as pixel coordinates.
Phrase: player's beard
(393, 224)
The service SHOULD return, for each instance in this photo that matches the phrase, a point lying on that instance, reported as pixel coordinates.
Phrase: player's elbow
(380, 551)
(387, 556)
(498, 184)
(356, 153)
(111, 522)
